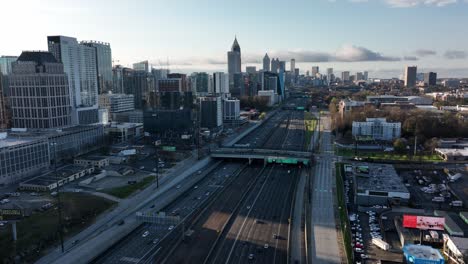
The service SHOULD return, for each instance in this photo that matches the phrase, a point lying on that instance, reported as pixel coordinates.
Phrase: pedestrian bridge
(267, 155)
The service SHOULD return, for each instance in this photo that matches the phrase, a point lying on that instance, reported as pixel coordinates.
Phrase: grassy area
(40, 230)
(127, 190)
(343, 212)
(388, 155)
(310, 125)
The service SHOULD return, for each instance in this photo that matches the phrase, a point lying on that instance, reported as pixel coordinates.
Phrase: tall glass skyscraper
(5, 64)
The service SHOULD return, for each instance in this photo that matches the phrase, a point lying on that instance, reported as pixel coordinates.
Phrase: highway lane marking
(247, 216)
(129, 259)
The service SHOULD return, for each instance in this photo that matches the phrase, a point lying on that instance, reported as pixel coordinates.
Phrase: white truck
(457, 203)
(380, 243)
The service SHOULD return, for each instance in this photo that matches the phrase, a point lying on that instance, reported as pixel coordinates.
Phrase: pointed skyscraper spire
(235, 45)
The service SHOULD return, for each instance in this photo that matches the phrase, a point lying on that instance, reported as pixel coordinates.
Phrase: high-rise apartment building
(79, 63)
(410, 76)
(5, 64)
(39, 93)
(103, 64)
(266, 63)
(430, 78)
(211, 112)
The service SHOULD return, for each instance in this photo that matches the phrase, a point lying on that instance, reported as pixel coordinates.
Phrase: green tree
(399, 145)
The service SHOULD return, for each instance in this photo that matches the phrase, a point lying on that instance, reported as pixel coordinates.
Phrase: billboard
(423, 222)
(10, 214)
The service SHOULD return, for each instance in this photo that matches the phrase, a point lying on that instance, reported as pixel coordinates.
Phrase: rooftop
(422, 252)
(39, 57)
(380, 177)
(11, 141)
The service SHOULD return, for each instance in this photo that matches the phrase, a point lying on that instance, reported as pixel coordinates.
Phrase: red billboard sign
(423, 222)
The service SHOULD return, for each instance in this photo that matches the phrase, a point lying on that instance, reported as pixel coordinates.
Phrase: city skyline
(199, 34)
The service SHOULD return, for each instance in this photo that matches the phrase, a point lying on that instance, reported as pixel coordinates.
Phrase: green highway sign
(169, 148)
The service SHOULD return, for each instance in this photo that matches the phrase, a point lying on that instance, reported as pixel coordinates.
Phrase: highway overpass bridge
(267, 155)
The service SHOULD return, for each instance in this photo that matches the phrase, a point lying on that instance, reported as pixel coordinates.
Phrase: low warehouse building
(422, 254)
(377, 184)
(50, 180)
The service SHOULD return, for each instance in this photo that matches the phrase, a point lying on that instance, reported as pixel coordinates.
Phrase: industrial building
(378, 184)
(95, 161)
(124, 132)
(51, 180)
(455, 249)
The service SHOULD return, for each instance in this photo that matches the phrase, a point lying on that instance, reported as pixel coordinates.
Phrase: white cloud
(411, 3)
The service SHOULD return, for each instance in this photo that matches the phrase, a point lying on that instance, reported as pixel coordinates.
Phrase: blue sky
(381, 36)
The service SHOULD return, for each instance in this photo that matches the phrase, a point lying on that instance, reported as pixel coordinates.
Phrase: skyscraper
(275, 65)
(359, 76)
(79, 63)
(430, 78)
(39, 92)
(366, 75)
(293, 66)
(5, 64)
(266, 62)
(282, 66)
(103, 64)
(315, 70)
(234, 63)
(345, 76)
(220, 83)
(410, 76)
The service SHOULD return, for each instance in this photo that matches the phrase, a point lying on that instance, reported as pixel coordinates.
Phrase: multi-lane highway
(324, 247)
(230, 216)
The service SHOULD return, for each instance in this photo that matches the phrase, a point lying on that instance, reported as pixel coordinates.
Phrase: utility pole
(58, 197)
(415, 144)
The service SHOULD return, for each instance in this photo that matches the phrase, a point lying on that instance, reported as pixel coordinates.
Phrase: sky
(380, 36)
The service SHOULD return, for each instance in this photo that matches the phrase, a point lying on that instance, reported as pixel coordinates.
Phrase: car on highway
(142, 167)
(145, 234)
(170, 227)
(195, 187)
(266, 246)
(155, 241)
(178, 186)
(251, 256)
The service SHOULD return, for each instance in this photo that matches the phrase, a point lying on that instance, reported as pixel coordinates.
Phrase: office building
(231, 110)
(293, 66)
(315, 71)
(269, 96)
(430, 78)
(275, 65)
(183, 80)
(237, 88)
(79, 63)
(345, 76)
(211, 113)
(5, 64)
(234, 63)
(410, 76)
(359, 76)
(366, 75)
(103, 64)
(142, 66)
(200, 83)
(168, 123)
(117, 103)
(377, 129)
(124, 132)
(266, 63)
(251, 69)
(39, 94)
(282, 66)
(220, 83)
(21, 157)
(4, 116)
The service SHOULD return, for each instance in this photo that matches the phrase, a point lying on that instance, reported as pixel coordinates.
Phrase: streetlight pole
(58, 197)
(157, 168)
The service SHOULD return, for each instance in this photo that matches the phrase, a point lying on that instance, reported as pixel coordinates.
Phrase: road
(297, 228)
(261, 225)
(324, 246)
(135, 246)
(97, 236)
